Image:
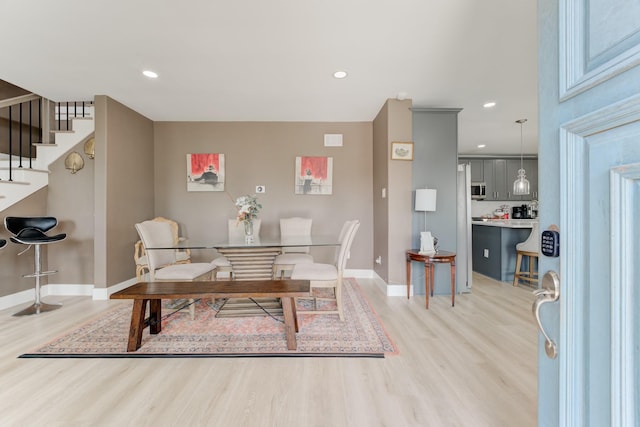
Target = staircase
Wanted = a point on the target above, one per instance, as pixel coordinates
(20, 177)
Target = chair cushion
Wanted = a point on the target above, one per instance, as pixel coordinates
(32, 235)
(293, 258)
(221, 261)
(180, 256)
(184, 271)
(314, 271)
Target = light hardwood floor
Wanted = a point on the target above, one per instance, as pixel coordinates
(471, 365)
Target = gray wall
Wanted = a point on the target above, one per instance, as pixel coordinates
(124, 187)
(393, 211)
(263, 153)
(71, 199)
(435, 136)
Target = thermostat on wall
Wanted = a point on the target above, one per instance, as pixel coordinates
(260, 189)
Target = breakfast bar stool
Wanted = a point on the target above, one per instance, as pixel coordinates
(531, 249)
(32, 231)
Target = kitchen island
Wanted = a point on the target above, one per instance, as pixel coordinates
(493, 247)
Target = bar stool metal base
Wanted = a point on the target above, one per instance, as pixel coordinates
(37, 308)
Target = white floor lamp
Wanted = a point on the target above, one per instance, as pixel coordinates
(426, 202)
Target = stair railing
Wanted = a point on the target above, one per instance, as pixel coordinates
(32, 133)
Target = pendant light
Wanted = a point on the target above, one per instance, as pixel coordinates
(521, 184)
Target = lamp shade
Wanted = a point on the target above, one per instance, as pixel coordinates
(426, 199)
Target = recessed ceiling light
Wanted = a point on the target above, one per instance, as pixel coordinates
(482, 145)
(150, 74)
(489, 104)
(340, 74)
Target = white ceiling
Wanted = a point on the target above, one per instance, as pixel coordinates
(256, 60)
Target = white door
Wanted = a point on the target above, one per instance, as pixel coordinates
(589, 163)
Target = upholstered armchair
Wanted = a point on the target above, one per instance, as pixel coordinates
(183, 256)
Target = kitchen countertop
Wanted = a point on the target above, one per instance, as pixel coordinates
(507, 223)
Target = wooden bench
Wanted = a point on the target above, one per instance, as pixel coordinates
(154, 292)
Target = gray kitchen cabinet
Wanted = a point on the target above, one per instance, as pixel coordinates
(495, 172)
(499, 175)
(493, 250)
(477, 170)
(531, 168)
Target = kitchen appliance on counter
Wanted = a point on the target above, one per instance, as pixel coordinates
(518, 212)
(524, 212)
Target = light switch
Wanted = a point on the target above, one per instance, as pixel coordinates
(384, 193)
(486, 253)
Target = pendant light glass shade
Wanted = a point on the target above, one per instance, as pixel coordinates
(521, 185)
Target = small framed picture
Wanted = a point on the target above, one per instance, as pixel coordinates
(402, 151)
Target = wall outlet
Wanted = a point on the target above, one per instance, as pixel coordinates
(486, 253)
(379, 260)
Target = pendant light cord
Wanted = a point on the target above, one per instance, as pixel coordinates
(521, 121)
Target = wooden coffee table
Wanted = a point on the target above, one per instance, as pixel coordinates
(152, 293)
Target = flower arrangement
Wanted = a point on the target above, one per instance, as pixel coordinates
(248, 208)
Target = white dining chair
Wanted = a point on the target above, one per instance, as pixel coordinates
(235, 232)
(162, 262)
(290, 256)
(329, 275)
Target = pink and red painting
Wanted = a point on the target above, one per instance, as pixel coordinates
(205, 172)
(314, 175)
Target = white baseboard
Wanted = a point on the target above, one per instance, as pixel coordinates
(27, 296)
(22, 297)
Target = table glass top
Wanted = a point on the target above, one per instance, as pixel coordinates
(256, 243)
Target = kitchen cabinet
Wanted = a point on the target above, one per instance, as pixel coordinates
(493, 250)
(477, 170)
(531, 167)
(495, 173)
(499, 175)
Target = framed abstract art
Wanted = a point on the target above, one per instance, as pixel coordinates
(314, 175)
(205, 172)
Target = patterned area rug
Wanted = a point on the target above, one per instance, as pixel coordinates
(360, 335)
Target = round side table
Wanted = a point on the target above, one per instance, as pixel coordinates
(429, 261)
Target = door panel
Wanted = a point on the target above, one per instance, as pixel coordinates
(592, 147)
(589, 153)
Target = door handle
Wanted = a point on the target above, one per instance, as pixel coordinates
(550, 292)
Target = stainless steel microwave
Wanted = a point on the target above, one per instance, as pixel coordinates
(478, 190)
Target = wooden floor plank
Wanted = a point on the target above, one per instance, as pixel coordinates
(470, 365)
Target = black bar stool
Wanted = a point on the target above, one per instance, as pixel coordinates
(31, 231)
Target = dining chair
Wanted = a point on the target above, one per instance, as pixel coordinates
(183, 256)
(329, 275)
(162, 262)
(290, 256)
(235, 232)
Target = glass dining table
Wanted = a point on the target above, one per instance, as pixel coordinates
(253, 260)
